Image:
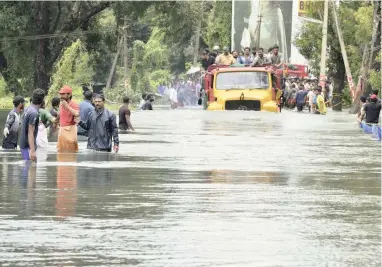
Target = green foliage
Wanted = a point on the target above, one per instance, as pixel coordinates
(356, 24)
(159, 77)
(117, 93)
(375, 76)
(218, 29)
(73, 69)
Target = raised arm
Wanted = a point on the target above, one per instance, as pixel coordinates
(72, 108)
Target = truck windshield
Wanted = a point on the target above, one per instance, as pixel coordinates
(242, 80)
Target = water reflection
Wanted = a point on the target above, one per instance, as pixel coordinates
(66, 197)
(228, 176)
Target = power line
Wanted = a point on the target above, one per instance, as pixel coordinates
(55, 35)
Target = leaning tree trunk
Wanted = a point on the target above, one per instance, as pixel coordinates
(42, 76)
(339, 84)
(13, 84)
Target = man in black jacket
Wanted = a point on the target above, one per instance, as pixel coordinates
(102, 127)
(207, 59)
(12, 124)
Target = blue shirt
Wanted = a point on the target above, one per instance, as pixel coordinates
(85, 108)
(245, 61)
(300, 97)
(30, 117)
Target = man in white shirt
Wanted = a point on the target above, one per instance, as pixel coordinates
(310, 99)
(173, 98)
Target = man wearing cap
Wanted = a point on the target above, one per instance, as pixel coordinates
(67, 135)
(12, 124)
(372, 110)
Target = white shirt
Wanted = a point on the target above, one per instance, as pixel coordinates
(310, 97)
(173, 95)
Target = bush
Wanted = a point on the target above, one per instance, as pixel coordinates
(117, 93)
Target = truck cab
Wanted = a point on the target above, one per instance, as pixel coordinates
(241, 88)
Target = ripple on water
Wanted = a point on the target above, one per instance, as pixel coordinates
(194, 188)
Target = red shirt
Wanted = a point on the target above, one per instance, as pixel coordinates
(66, 118)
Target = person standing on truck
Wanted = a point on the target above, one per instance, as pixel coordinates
(247, 59)
(12, 124)
(261, 59)
(276, 57)
(226, 58)
(207, 59)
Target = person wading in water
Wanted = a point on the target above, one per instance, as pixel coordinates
(124, 116)
(85, 108)
(11, 129)
(29, 126)
(67, 135)
(102, 127)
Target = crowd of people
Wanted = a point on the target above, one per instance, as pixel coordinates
(249, 57)
(182, 92)
(29, 127)
(306, 93)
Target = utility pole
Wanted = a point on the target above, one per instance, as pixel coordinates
(125, 53)
(343, 51)
(258, 27)
(323, 46)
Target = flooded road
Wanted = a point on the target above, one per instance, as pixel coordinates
(196, 188)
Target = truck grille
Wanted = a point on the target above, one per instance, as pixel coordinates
(243, 105)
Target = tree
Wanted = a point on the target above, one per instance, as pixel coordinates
(49, 25)
(73, 68)
(356, 20)
(218, 28)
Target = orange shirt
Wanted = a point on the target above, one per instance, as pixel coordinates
(66, 118)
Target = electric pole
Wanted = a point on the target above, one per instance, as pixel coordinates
(323, 46)
(258, 27)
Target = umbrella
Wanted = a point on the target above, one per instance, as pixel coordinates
(193, 70)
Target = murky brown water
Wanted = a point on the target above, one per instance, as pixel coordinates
(196, 188)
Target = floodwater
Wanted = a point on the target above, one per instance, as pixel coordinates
(197, 188)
